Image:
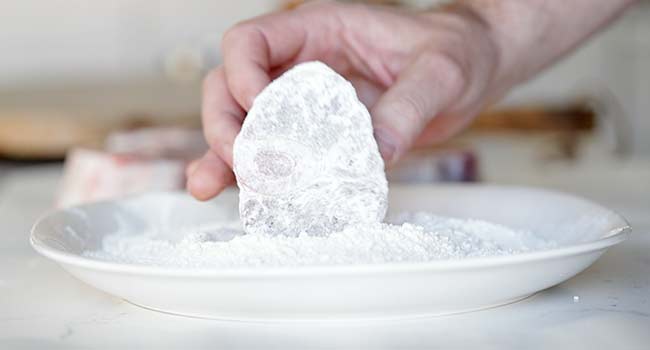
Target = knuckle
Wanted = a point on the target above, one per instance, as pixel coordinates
(219, 137)
(411, 110)
(452, 72)
(212, 78)
(212, 136)
(237, 32)
(239, 90)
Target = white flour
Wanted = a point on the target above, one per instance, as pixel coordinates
(425, 238)
(313, 192)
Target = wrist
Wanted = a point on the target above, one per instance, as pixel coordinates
(530, 35)
(487, 55)
(511, 26)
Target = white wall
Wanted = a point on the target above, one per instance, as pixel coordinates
(43, 41)
(93, 39)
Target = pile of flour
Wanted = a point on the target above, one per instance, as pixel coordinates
(412, 237)
(313, 192)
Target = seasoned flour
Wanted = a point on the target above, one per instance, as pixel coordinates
(313, 192)
(412, 237)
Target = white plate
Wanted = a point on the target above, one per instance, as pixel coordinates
(583, 229)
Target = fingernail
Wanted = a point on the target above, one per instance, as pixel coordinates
(387, 145)
(199, 185)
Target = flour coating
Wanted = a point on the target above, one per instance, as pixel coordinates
(306, 160)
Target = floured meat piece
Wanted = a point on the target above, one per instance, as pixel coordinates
(91, 176)
(306, 160)
(158, 142)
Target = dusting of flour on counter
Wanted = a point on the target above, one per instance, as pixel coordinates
(411, 237)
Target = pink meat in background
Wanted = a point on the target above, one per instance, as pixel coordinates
(137, 161)
(95, 175)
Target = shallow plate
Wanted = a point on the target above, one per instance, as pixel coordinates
(583, 230)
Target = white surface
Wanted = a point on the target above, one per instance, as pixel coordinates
(43, 307)
(379, 291)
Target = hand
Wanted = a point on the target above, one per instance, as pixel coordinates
(407, 68)
(423, 75)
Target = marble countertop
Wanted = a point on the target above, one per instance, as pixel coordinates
(605, 307)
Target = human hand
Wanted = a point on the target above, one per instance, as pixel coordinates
(423, 75)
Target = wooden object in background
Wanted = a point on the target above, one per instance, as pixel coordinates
(564, 123)
(40, 135)
(536, 119)
(49, 135)
(46, 136)
(292, 4)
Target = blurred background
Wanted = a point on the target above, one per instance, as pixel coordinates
(115, 85)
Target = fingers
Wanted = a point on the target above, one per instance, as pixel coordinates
(424, 89)
(210, 176)
(191, 167)
(251, 49)
(368, 92)
(257, 50)
(222, 116)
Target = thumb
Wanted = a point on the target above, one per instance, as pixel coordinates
(425, 88)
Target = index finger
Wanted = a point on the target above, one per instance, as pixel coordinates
(221, 114)
(252, 48)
